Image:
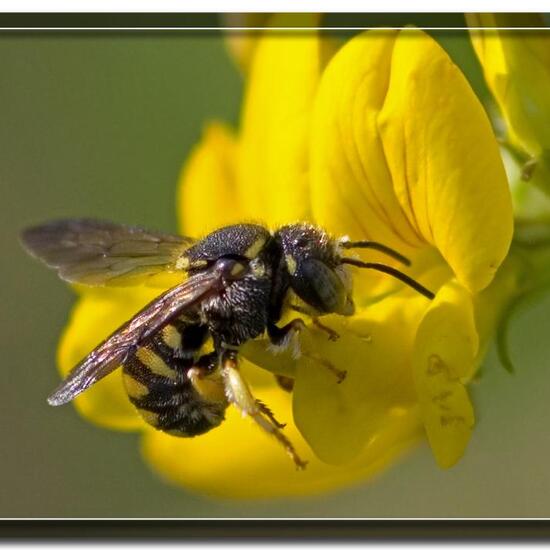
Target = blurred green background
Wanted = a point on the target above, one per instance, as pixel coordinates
(99, 125)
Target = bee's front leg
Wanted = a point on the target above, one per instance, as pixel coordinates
(332, 334)
(239, 394)
(282, 337)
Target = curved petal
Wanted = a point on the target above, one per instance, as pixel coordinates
(98, 313)
(445, 160)
(347, 157)
(444, 356)
(403, 143)
(273, 163)
(208, 196)
(236, 460)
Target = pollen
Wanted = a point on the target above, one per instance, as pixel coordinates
(182, 263)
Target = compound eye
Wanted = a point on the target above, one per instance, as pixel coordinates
(231, 269)
(320, 286)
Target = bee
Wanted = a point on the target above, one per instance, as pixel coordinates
(238, 282)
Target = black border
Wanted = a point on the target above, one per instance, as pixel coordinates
(114, 20)
(184, 21)
(322, 530)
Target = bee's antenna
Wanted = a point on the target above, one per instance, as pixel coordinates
(394, 273)
(377, 246)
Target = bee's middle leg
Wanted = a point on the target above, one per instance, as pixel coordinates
(238, 393)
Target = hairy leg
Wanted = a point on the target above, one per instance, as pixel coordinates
(239, 394)
(281, 337)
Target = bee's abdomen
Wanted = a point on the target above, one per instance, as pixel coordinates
(157, 384)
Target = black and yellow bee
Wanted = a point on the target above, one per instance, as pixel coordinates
(240, 279)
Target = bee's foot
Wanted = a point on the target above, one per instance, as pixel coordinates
(269, 413)
(332, 334)
(341, 375)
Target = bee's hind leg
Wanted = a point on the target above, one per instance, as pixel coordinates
(239, 394)
(206, 378)
(269, 413)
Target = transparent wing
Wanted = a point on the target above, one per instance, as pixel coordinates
(113, 351)
(95, 252)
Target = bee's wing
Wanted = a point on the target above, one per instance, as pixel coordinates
(113, 351)
(97, 253)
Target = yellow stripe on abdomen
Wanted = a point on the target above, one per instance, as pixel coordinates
(134, 389)
(150, 417)
(171, 337)
(155, 363)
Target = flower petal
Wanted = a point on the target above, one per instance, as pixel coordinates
(98, 313)
(444, 356)
(445, 161)
(208, 196)
(401, 141)
(339, 419)
(273, 163)
(237, 460)
(352, 190)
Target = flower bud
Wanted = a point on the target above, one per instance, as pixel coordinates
(516, 66)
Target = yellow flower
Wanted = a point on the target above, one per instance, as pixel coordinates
(516, 65)
(384, 141)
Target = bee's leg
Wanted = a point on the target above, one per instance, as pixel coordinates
(239, 394)
(340, 374)
(332, 334)
(282, 337)
(206, 378)
(269, 413)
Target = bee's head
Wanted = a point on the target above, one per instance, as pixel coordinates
(315, 269)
